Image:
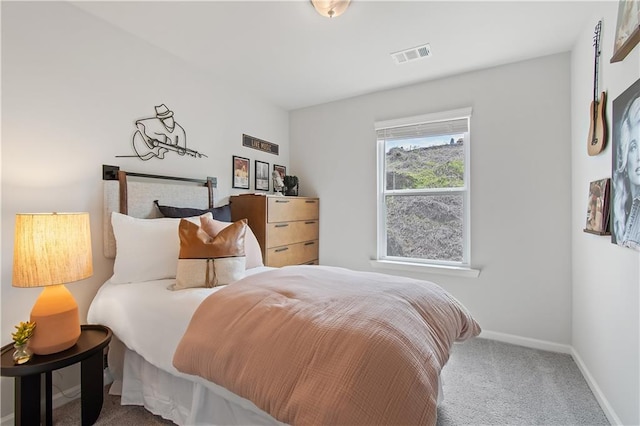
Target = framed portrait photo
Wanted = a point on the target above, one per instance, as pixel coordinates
(262, 176)
(625, 180)
(627, 29)
(240, 172)
(280, 169)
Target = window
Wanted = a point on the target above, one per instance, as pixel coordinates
(423, 189)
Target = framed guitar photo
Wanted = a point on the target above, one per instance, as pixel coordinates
(627, 29)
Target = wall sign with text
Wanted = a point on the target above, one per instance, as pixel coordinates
(259, 144)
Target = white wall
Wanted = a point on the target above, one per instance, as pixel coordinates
(606, 333)
(520, 187)
(72, 87)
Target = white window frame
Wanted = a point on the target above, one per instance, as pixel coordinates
(414, 264)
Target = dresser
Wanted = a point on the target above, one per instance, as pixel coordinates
(287, 228)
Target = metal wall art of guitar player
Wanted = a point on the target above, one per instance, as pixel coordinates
(156, 136)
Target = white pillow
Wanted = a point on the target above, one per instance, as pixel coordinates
(146, 249)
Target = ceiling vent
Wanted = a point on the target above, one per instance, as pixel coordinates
(412, 54)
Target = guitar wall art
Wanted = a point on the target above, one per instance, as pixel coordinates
(158, 135)
(597, 137)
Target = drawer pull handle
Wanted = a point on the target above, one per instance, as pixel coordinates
(282, 249)
(310, 243)
(310, 223)
(310, 201)
(282, 225)
(282, 201)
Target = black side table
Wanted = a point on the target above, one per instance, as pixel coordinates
(28, 377)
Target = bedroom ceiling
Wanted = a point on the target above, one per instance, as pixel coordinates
(290, 55)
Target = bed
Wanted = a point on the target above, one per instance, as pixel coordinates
(293, 345)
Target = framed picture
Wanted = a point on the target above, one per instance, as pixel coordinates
(598, 207)
(280, 169)
(627, 29)
(262, 176)
(240, 172)
(625, 165)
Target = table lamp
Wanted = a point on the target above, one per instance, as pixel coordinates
(51, 249)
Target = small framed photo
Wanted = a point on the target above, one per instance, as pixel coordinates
(280, 169)
(598, 207)
(262, 176)
(240, 172)
(627, 29)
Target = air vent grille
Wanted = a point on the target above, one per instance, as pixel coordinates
(412, 54)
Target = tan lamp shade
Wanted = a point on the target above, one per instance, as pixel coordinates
(330, 8)
(51, 249)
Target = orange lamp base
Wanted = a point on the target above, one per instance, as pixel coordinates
(57, 321)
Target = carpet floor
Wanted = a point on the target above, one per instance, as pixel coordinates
(485, 383)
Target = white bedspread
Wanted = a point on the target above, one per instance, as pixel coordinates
(148, 318)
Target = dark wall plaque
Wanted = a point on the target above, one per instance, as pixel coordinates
(261, 145)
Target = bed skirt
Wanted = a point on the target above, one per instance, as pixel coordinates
(183, 401)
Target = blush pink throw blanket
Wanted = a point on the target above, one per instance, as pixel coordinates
(317, 345)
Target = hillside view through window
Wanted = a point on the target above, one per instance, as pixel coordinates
(424, 205)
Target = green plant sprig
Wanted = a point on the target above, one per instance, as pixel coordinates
(23, 333)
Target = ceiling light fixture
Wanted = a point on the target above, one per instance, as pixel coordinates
(330, 8)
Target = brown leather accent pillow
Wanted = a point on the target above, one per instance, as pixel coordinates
(206, 261)
(252, 249)
(197, 244)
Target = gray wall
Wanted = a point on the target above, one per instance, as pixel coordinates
(606, 279)
(520, 187)
(543, 282)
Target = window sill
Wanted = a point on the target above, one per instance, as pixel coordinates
(458, 271)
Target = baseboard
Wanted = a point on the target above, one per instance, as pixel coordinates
(565, 349)
(593, 385)
(58, 399)
(527, 342)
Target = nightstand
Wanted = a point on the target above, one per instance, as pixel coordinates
(28, 377)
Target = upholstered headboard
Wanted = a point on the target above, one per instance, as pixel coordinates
(133, 194)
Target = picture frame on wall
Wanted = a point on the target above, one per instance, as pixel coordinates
(598, 207)
(625, 165)
(280, 169)
(262, 176)
(627, 29)
(241, 171)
